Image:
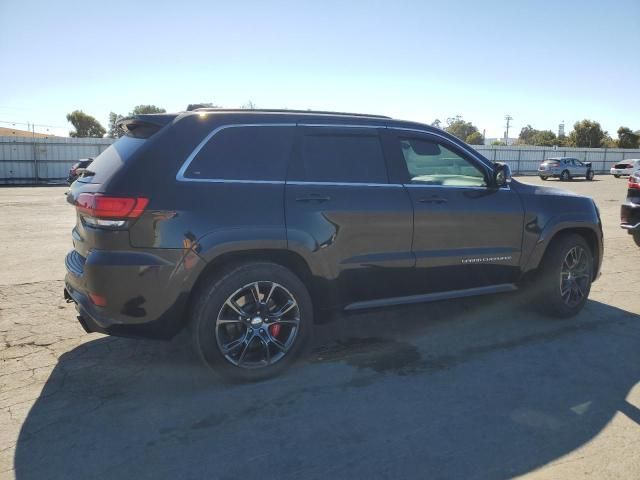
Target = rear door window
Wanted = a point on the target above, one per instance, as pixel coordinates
(244, 153)
(339, 156)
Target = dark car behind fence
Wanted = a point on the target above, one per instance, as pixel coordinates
(26, 160)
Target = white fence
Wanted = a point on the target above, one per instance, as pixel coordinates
(26, 160)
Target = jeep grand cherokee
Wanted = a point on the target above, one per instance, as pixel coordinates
(249, 226)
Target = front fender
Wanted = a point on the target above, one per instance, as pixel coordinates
(561, 223)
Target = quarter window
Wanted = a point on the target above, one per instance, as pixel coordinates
(244, 153)
(429, 162)
(342, 158)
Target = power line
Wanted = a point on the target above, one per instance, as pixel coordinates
(29, 124)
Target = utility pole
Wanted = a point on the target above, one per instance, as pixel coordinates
(508, 118)
(35, 153)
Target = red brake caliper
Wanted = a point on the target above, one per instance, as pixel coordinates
(275, 329)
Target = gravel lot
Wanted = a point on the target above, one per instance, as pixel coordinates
(480, 388)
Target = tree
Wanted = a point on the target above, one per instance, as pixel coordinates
(248, 106)
(85, 125)
(458, 127)
(144, 109)
(627, 138)
(543, 138)
(436, 123)
(475, 139)
(193, 106)
(526, 133)
(498, 143)
(587, 133)
(114, 131)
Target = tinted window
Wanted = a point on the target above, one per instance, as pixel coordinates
(112, 159)
(244, 153)
(335, 157)
(434, 164)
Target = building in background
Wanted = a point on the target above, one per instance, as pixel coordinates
(506, 141)
(14, 132)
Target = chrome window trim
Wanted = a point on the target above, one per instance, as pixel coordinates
(230, 180)
(180, 176)
(470, 187)
(344, 184)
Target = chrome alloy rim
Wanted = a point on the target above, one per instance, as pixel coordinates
(574, 276)
(257, 325)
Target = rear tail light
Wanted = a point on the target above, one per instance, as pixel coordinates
(634, 182)
(107, 211)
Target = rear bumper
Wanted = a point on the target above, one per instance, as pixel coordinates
(139, 294)
(630, 217)
(619, 171)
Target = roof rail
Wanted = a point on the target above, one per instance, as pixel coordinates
(268, 110)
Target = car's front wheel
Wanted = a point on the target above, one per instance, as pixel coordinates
(542, 177)
(617, 176)
(565, 276)
(251, 322)
(636, 238)
(590, 175)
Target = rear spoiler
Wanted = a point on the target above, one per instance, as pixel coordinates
(143, 126)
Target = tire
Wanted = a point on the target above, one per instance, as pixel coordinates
(551, 280)
(617, 176)
(590, 175)
(543, 178)
(254, 334)
(636, 238)
(565, 176)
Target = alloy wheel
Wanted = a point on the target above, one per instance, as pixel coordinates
(257, 325)
(575, 276)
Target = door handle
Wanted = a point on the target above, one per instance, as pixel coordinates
(313, 198)
(433, 199)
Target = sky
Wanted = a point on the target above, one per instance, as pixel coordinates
(542, 62)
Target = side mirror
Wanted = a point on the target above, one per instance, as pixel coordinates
(501, 174)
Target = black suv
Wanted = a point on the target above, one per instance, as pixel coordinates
(630, 210)
(249, 226)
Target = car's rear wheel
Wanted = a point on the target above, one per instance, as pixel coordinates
(636, 238)
(542, 177)
(565, 176)
(590, 175)
(565, 276)
(252, 322)
(617, 176)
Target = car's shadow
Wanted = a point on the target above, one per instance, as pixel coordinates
(473, 389)
(573, 180)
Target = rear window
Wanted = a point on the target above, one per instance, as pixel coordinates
(244, 153)
(341, 158)
(113, 158)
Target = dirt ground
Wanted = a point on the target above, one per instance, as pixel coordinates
(481, 388)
